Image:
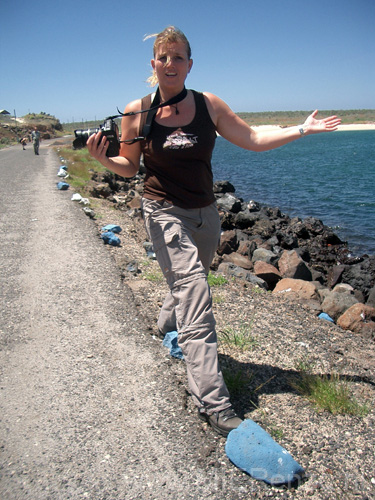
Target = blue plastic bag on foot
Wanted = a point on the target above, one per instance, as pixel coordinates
(170, 341)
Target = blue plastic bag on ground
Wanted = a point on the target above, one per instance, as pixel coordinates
(254, 451)
(62, 185)
(111, 239)
(326, 317)
(112, 227)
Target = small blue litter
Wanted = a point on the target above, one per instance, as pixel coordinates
(326, 317)
(147, 245)
(170, 341)
(64, 167)
(255, 452)
(62, 185)
(112, 227)
(111, 239)
(132, 267)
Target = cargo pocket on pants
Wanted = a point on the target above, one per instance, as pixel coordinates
(167, 249)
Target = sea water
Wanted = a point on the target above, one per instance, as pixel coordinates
(327, 176)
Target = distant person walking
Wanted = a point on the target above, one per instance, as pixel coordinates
(35, 136)
(23, 141)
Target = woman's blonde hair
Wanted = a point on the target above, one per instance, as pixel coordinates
(168, 35)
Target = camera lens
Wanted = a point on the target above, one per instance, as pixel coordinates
(82, 136)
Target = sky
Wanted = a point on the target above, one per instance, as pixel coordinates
(80, 60)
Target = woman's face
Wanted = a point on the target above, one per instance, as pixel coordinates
(172, 65)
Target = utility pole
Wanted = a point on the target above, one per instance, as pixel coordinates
(15, 122)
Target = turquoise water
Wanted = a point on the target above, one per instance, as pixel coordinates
(328, 176)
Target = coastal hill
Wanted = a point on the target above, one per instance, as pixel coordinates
(289, 118)
(12, 129)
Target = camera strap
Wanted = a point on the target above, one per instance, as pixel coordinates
(156, 104)
(151, 112)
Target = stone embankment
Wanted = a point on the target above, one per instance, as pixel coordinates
(302, 259)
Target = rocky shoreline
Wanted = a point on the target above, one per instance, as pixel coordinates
(302, 259)
(336, 450)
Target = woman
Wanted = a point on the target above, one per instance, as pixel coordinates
(179, 207)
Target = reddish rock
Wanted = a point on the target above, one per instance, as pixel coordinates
(359, 318)
(228, 243)
(268, 273)
(336, 303)
(299, 289)
(292, 266)
(246, 248)
(238, 260)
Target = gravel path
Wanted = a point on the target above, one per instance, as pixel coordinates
(88, 409)
(91, 404)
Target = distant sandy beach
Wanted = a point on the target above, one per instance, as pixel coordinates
(359, 126)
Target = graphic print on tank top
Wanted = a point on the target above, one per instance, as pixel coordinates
(180, 140)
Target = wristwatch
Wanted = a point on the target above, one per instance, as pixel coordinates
(301, 131)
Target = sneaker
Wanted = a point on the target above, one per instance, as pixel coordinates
(222, 421)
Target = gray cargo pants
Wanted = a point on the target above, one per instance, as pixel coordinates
(185, 241)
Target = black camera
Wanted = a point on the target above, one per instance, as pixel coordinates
(109, 129)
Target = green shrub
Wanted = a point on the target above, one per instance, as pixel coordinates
(238, 336)
(154, 276)
(80, 167)
(216, 280)
(327, 392)
(236, 381)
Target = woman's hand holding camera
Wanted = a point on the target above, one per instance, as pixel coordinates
(97, 144)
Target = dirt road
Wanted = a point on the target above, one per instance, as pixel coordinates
(88, 406)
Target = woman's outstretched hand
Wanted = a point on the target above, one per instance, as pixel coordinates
(314, 126)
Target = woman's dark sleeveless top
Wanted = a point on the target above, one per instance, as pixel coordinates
(178, 160)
